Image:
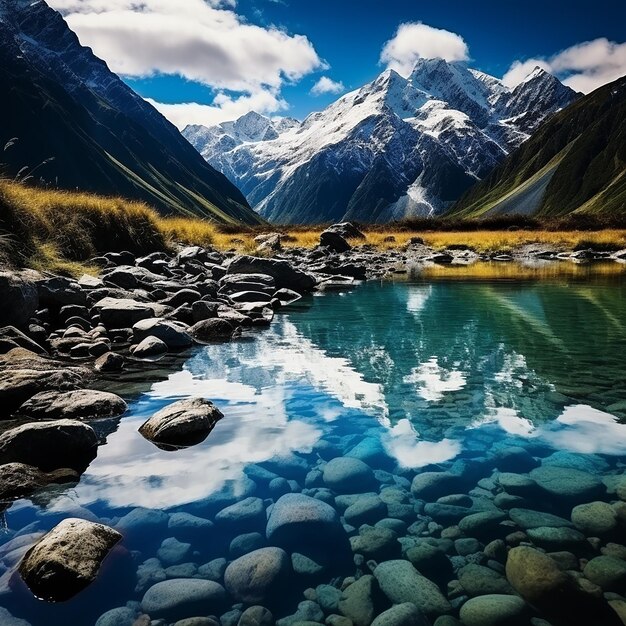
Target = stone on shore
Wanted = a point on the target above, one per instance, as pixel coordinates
(50, 445)
(149, 348)
(67, 559)
(173, 334)
(211, 330)
(80, 404)
(18, 480)
(283, 273)
(183, 423)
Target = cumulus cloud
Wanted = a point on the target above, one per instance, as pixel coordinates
(224, 108)
(327, 85)
(414, 40)
(583, 67)
(206, 42)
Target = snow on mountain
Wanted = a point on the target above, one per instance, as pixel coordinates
(394, 148)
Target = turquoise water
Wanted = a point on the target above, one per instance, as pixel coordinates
(409, 377)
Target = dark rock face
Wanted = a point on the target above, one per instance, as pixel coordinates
(19, 299)
(67, 559)
(81, 404)
(334, 241)
(50, 445)
(212, 329)
(181, 424)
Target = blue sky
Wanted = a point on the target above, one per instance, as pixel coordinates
(208, 60)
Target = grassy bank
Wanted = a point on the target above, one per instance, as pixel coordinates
(60, 231)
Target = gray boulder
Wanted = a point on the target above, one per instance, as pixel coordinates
(495, 610)
(173, 334)
(283, 273)
(183, 423)
(149, 348)
(80, 404)
(67, 559)
(50, 445)
(348, 475)
(210, 330)
(125, 312)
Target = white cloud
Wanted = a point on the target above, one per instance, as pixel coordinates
(414, 40)
(327, 85)
(206, 42)
(520, 69)
(224, 108)
(583, 67)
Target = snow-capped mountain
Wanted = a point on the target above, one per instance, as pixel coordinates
(394, 148)
(62, 101)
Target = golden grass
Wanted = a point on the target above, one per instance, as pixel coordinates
(60, 231)
(493, 270)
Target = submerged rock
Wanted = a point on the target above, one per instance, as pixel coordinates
(348, 475)
(258, 576)
(67, 559)
(297, 520)
(495, 610)
(183, 423)
(180, 598)
(568, 485)
(50, 445)
(80, 404)
(405, 614)
(401, 582)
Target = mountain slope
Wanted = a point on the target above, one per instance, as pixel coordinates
(61, 101)
(576, 162)
(395, 148)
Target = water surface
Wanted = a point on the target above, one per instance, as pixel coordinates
(433, 372)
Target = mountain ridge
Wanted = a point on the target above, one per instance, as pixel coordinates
(396, 147)
(62, 101)
(575, 163)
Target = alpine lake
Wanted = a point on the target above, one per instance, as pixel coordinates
(385, 446)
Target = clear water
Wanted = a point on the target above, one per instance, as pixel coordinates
(439, 373)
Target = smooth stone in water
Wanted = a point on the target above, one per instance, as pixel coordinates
(607, 572)
(18, 480)
(401, 582)
(183, 423)
(359, 601)
(528, 518)
(257, 576)
(179, 598)
(367, 510)
(432, 485)
(298, 520)
(256, 616)
(594, 518)
(405, 614)
(556, 538)
(478, 580)
(567, 484)
(67, 559)
(495, 610)
(249, 513)
(348, 475)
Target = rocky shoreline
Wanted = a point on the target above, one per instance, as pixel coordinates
(62, 338)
